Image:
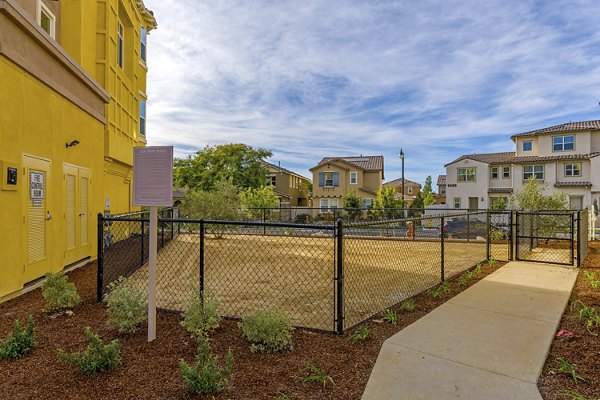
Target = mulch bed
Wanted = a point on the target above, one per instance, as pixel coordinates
(582, 348)
(150, 370)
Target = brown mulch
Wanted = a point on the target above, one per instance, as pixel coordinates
(582, 349)
(150, 370)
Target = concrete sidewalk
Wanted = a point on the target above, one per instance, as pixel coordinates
(489, 342)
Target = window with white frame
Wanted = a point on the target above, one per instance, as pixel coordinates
(573, 169)
(353, 177)
(457, 202)
(120, 43)
(328, 178)
(563, 143)
(466, 174)
(494, 172)
(535, 171)
(272, 180)
(143, 36)
(46, 19)
(328, 204)
(442, 189)
(142, 117)
(506, 172)
(527, 145)
(367, 203)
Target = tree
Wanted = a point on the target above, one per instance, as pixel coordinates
(256, 200)
(352, 204)
(221, 203)
(533, 198)
(416, 206)
(239, 163)
(428, 196)
(499, 203)
(386, 199)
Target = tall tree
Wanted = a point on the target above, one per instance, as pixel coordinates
(258, 201)
(386, 204)
(238, 163)
(533, 197)
(353, 205)
(428, 196)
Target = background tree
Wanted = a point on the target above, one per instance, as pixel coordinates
(239, 163)
(428, 196)
(533, 198)
(416, 206)
(499, 203)
(353, 205)
(257, 201)
(386, 199)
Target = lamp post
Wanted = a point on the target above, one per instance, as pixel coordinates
(402, 158)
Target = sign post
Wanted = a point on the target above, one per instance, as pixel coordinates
(153, 187)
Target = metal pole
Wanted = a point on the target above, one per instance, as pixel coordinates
(264, 218)
(100, 250)
(573, 238)
(468, 227)
(579, 238)
(402, 157)
(516, 244)
(489, 243)
(202, 260)
(442, 248)
(143, 256)
(340, 277)
(511, 241)
(152, 275)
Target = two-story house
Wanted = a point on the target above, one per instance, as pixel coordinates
(291, 187)
(411, 189)
(440, 197)
(72, 108)
(333, 177)
(564, 157)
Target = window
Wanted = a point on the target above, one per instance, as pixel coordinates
(142, 117)
(353, 177)
(457, 202)
(329, 179)
(367, 203)
(328, 205)
(576, 202)
(46, 19)
(410, 190)
(536, 171)
(466, 174)
(271, 180)
(120, 41)
(527, 145)
(505, 172)
(563, 143)
(442, 189)
(573, 169)
(143, 44)
(494, 172)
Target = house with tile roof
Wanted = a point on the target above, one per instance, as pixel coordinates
(411, 189)
(291, 188)
(566, 158)
(440, 197)
(333, 177)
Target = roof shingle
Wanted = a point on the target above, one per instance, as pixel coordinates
(510, 158)
(367, 163)
(568, 127)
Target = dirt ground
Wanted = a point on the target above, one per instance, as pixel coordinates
(150, 371)
(293, 274)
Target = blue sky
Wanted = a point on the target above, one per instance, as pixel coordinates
(326, 78)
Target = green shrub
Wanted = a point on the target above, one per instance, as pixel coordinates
(439, 290)
(317, 374)
(408, 305)
(566, 368)
(96, 357)
(390, 317)
(359, 335)
(205, 376)
(267, 332)
(588, 314)
(200, 314)
(127, 305)
(302, 219)
(20, 341)
(464, 278)
(497, 234)
(59, 293)
(591, 278)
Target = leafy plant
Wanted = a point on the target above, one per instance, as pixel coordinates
(267, 332)
(359, 335)
(591, 278)
(200, 314)
(96, 357)
(316, 374)
(571, 394)
(205, 376)
(477, 269)
(464, 278)
(408, 305)
(127, 305)
(59, 293)
(440, 289)
(258, 201)
(492, 262)
(588, 314)
(566, 368)
(390, 316)
(19, 341)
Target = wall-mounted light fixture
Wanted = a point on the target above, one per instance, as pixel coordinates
(73, 143)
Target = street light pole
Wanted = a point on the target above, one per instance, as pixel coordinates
(402, 158)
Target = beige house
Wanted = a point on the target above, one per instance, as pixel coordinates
(440, 198)
(336, 176)
(566, 158)
(411, 189)
(291, 188)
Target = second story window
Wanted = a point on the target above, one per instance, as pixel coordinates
(353, 177)
(272, 180)
(329, 179)
(120, 44)
(466, 174)
(143, 44)
(527, 145)
(142, 117)
(505, 172)
(563, 143)
(410, 190)
(573, 169)
(494, 172)
(46, 19)
(535, 171)
(442, 189)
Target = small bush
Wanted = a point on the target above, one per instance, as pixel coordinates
(59, 293)
(205, 376)
(477, 269)
(390, 317)
(267, 332)
(440, 290)
(302, 219)
(200, 314)
(464, 278)
(408, 305)
(566, 368)
(96, 357)
(588, 314)
(316, 374)
(591, 278)
(20, 341)
(127, 305)
(492, 262)
(359, 335)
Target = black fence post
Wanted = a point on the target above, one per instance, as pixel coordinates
(579, 257)
(202, 260)
(468, 226)
(442, 248)
(573, 214)
(516, 236)
(172, 223)
(488, 251)
(143, 256)
(340, 277)
(162, 232)
(264, 219)
(511, 241)
(100, 282)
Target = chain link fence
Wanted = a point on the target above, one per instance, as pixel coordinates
(582, 235)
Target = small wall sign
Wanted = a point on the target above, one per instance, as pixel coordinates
(11, 176)
(36, 185)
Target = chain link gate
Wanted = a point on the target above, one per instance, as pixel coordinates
(545, 236)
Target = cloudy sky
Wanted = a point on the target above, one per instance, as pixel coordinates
(308, 79)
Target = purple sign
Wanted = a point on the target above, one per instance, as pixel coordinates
(153, 176)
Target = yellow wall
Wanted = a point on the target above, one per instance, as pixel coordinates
(36, 121)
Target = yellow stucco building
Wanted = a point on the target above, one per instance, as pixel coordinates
(72, 107)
